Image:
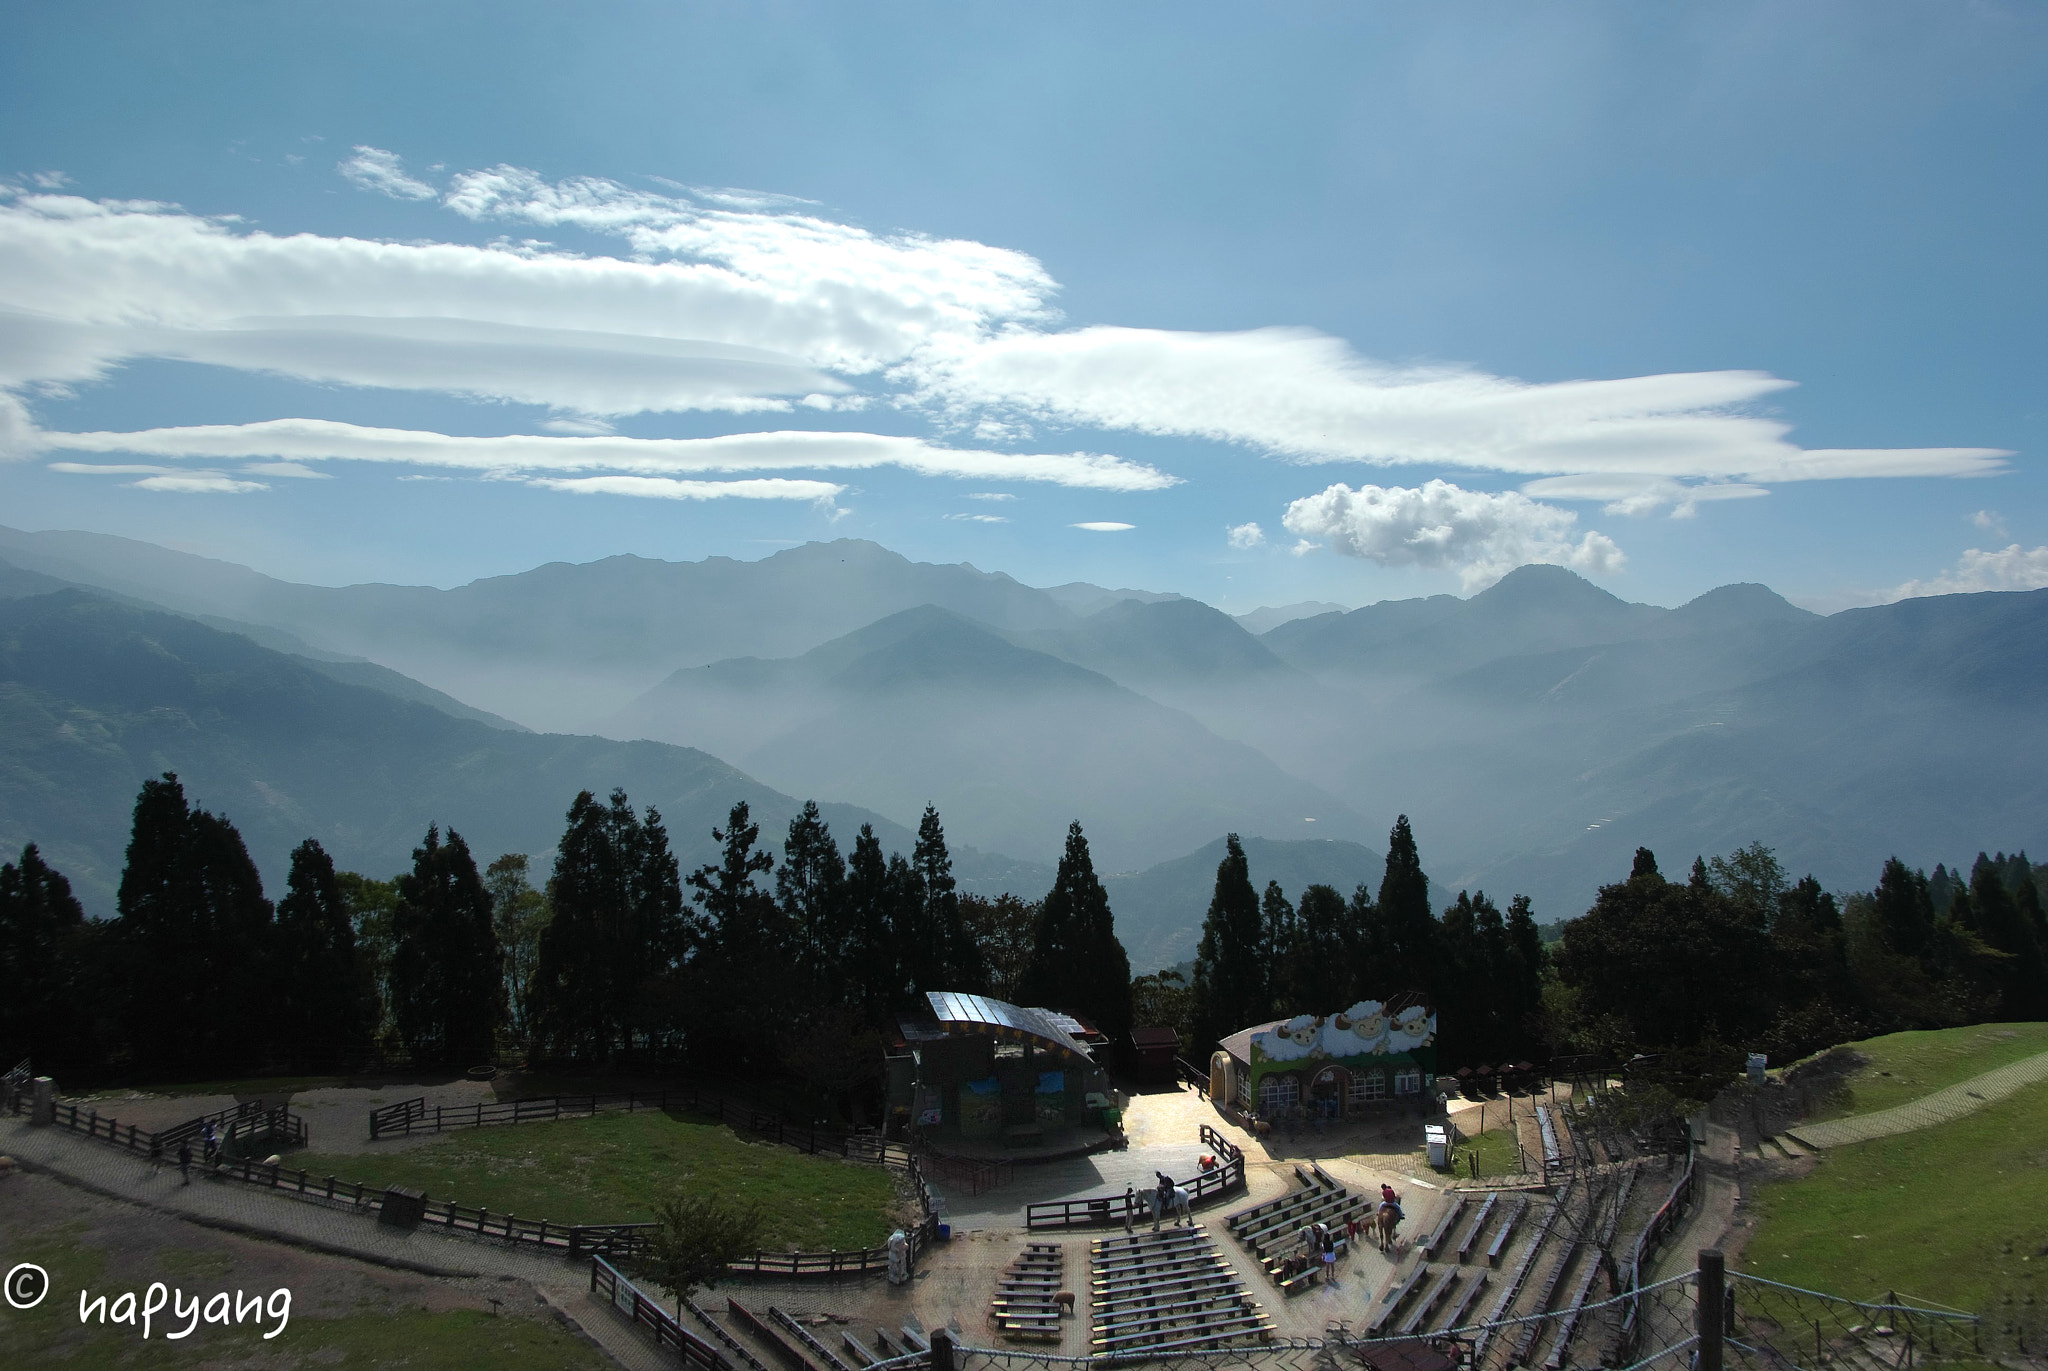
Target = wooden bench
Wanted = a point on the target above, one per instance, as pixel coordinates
(1478, 1227)
(1396, 1296)
(1426, 1306)
(1444, 1228)
(1500, 1242)
(1456, 1318)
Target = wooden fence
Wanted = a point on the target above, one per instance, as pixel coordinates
(1226, 1178)
(248, 1122)
(1661, 1223)
(417, 1116)
(626, 1297)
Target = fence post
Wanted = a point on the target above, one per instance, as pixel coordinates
(1712, 1312)
(942, 1350)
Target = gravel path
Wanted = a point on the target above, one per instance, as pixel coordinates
(1963, 1098)
(122, 1175)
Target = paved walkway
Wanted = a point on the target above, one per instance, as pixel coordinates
(282, 1216)
(1966, 1097)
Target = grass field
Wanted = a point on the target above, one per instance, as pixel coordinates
(1498, 1155)
(615, 1167)
(1953, 1214)
(1905, 1066)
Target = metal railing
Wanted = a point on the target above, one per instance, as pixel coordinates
(626, 1297)
(1226, 1178)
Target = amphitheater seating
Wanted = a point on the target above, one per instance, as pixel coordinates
(1478, 1229)
(1271, 1231)
(1027, 1295)
(1168, 1289)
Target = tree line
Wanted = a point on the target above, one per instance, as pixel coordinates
(1262, 957)
(793, 967)
(1738, 957)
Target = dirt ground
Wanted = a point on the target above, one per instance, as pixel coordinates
(100, 1246)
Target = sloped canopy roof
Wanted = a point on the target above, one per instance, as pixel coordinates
(978, 1014)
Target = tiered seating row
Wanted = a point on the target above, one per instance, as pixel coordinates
(1272, 1231)
(1168, 1289)
(1027, 1303)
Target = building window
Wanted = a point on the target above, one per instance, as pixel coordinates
(1278, 1093)
(1367, 1086)
(1408, 1083)
(1244, 1089)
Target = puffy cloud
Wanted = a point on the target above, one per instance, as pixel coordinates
(313, 440)
(1483, 536)
(1246, 535)
(1989, 522)
(1106, 526)
(383, 172)
(2009, 568)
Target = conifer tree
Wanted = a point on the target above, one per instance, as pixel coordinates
(329, 1007)
(45, 966)
(1233, 971)
(521, 915)
(961, 965)
(1322, 978)
(877, 985)
(194, 936)
(1903, 910)
(810, 886)
(1078, 964)
(743, 995)
(616, 937)
(1280, 939)
(447, 972)
(2000, 923)
(1404, 956)
(1521, 984)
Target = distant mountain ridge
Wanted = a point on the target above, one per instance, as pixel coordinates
(1535, 733)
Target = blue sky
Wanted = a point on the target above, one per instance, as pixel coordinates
(1676, 295)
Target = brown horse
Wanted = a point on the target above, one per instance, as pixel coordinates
(1386, 1220)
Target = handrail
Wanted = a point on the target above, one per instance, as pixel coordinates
(1226, 1178)
(629, 1300)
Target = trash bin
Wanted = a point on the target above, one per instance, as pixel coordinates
(1438, 1139)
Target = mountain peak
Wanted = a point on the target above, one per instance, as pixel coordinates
(1745, 602)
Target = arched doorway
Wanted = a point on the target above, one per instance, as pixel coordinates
(1326, 1092)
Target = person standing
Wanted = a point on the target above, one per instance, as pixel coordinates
(156, 1155)
(185, 1161)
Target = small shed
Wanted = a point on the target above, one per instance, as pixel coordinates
(1153, 1051)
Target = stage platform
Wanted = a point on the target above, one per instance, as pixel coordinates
(1051, 1145)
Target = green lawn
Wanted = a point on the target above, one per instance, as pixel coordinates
(615, 1167)
(1905, 1066)
(1953, 1214)
(1498, 1155)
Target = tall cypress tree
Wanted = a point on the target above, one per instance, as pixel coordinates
(741, 981)
(447, 973)
(1521, 983)
(877, 985)
(1279, 947)
(810, 885)
(616, 936)
(1903, 910)
(2001, 924)
(330, 1007)
(194, 936)
(1233, 968)
(1404, 958)
(1323, 980)
(45, 947)
(1078, 964)
(960, 961)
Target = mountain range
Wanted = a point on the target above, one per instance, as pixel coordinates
(1535, 733)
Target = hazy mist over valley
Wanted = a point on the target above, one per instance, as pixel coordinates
(1536, 732)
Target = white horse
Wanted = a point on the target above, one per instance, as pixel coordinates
(1179, 1202)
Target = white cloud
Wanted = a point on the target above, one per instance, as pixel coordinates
(1483, 536)
(50, 180)
(1989, 522)
(664, 488)
(313, 440)
(1306, 396)
(1637, 495)
(198, 483)
(383, 172)
(990, 495)
(578, 426)
(291, 470)
(738, 301)
(1246, 535)
(2010, 568)
(979, 518)
(1105, 526)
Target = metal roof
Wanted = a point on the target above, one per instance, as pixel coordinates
(960, 1013)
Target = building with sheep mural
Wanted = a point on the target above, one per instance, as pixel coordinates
(1369, 1059)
